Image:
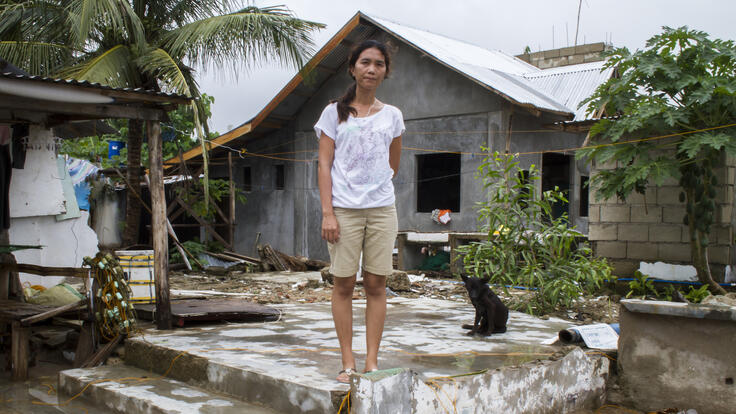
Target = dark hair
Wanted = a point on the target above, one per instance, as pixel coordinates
(343, 103)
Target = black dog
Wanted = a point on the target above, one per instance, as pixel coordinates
(490, 313)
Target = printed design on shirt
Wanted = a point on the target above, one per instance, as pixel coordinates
(365, 152)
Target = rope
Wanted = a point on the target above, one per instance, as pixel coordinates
(112, 308)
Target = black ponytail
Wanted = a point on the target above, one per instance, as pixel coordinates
(343, 103)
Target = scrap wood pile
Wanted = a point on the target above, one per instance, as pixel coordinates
(269, 259)
(272, 259)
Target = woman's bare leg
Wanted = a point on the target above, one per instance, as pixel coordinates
(342, 315)
(375, 316)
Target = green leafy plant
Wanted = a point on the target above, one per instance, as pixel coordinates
(641, 286)
(527, 246)
(681, 87)
(195, 248)
(194, 196)
(697, 295)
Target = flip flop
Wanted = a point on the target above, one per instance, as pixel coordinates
(344, 375)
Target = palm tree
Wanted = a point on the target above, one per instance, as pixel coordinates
(151, 44)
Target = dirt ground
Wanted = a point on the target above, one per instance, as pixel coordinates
(586, 310)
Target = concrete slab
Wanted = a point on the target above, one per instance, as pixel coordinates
(299, 356)
(123, 389)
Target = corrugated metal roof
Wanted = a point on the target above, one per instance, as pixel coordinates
(91, 85)
(494, 69)
(570, 85)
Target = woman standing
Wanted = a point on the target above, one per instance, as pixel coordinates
(359, 151)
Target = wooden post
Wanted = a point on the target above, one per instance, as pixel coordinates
(19, 349)
(158, 226)
(232, 201)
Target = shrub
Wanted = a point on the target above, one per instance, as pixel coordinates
(527, 246)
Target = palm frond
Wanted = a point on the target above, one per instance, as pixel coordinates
(117, 15)
(33, 20)
(114, 68)
(36, 58)
(244, 38)
(157, 64)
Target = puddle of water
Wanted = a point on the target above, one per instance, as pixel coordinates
(39, 394)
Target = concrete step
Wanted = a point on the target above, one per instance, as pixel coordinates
(124, 389)
(279, 384)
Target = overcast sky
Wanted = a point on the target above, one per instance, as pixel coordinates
(508, 25)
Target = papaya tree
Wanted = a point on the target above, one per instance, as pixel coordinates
(681, 91)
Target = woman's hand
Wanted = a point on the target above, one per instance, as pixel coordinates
(330, 228)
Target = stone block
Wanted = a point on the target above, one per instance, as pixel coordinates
(664, 357)
(608, 165)
(568, 51)
(649, 196)
(685, 234)
(611, 249)
(594, 213)
(669, 195)
(641, 251)
(633, 232)
(665, 233)
(673, 215)
(724, 194)
(724, 213)
(719, 254)
(592, 47)
(730, 178)
(670, 182)
(551, 53)
(602, 232)
(675, 252)
(382, 391)
(614, 213)
(624, 268)
(724, 234)
(575, 60)
(650, 214)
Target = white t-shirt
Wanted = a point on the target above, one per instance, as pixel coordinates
(361, 174)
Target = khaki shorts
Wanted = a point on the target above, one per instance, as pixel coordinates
(370, 230)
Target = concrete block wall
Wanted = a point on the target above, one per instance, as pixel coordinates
(572, 55)
(650, 227)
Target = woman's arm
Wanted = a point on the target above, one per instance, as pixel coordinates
(330, 227)
(394, 154)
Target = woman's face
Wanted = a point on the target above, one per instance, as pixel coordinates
(370, 68)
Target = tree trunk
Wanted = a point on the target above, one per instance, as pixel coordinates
(132, 202)
(699, 253)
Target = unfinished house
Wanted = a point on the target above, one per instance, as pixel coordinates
(456, 98)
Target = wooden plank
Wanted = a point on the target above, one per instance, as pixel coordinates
(213, 310)
(51, 313)
(85, 344)
(231, 216)
(104, 352)
(241, 256)
(159, 230)
(19, 351)
(89, 110)
(45, 270)
(13, 310)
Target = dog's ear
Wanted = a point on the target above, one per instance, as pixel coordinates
(464, 278)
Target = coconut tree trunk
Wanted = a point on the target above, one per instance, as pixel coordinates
(132, 200)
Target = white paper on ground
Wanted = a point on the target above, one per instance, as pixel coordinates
(598, 336)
